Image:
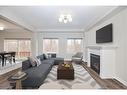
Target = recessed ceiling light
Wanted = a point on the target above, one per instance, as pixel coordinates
(1, 28)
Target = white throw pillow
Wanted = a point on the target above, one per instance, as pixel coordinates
(33, 61)
(38, 61)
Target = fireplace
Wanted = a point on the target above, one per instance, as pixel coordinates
(95, 62)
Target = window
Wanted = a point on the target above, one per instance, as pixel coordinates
(50, 45)
(74, 45)
(22, 47)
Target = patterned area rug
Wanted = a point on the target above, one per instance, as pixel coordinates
(82, 77)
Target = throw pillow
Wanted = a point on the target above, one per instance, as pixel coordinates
(45, 56)
(41, 57)
(33, 61)
(38, 61)
(49, 56)
(53, 55)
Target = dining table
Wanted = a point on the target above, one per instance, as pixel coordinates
(11, 53)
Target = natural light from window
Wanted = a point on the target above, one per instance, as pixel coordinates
(74, 45)
(50, 45)
(20, 46)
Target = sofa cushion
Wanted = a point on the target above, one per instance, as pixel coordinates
(48, 61)
(58, 60)
(36, 75)
(37, 71)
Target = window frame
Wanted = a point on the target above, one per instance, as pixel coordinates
(51, 39)
(18, 41)
(73, 52)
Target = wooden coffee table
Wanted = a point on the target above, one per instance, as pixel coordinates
(18, 79)
(65, 72)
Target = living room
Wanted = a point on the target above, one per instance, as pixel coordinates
(43, 34)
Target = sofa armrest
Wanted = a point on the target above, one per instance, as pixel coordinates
(26, 64)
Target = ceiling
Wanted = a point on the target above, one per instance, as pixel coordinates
(45, 18)
(8, 25)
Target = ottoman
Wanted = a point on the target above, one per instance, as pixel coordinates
(58, 60)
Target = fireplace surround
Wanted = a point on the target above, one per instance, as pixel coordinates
(107, 60)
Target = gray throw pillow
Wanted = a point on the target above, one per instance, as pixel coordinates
(49, 56)
(41, 57)
(45, 56)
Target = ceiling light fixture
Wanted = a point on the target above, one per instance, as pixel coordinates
(1, 28)
(65, 18)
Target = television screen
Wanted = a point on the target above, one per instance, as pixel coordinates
(104, 35)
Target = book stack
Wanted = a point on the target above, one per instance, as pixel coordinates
(18, 75)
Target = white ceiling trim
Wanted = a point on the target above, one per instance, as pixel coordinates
(60, 30)
(12, 18)
(92, 23)
(5, 13)
(108, 15)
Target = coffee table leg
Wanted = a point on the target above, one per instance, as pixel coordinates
(2, 60)
(18, 84)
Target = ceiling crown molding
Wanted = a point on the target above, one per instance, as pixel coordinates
(107, 16)
(8, 16)
(61, 30)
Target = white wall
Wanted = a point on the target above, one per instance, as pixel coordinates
(62, 42)
(17, 34)
(37, 40)
(119, 39)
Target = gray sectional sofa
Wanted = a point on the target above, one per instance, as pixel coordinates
(36, 75)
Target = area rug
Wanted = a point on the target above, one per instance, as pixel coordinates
(82, 78)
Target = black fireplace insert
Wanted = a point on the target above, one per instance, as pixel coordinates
(95, 62)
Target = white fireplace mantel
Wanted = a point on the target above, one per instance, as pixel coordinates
(102, 47)
(107, 59)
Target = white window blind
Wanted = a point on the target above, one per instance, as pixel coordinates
(74, 45)
(22, 47)
(50, 45)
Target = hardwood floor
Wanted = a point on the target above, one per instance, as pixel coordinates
(104, 83)
(4, 83)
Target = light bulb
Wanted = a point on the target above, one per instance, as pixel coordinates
(60, 19)
(1, 28)
(65, 21)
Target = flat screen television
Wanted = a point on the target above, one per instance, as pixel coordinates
(104, 35)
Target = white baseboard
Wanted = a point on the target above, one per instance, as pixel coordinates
(121, 80)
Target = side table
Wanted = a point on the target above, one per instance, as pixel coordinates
(18, 80)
